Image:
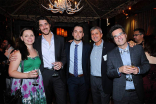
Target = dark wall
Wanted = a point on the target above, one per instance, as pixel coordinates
(19, 24)
(2, 27)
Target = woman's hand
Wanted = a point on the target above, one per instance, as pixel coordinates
(32, 74)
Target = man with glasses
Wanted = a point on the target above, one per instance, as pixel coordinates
(139, 36)
(126, 65)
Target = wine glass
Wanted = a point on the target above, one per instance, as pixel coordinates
(55, 74)
(129, 78)
(35, 83)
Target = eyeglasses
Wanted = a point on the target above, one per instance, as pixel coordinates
(136, 35)
(120, 34)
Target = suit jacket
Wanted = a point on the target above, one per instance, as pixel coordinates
(85, 61)
(107, 83)
(139, 59)
(59, 53)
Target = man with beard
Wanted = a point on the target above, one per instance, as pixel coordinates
(78, 72)
(51, 50)
(126, 65)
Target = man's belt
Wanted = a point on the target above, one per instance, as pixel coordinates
(77, 76)
(130, 90)
(48, 68)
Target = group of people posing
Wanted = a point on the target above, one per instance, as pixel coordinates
(107, 69)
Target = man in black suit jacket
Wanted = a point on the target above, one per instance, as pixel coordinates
(126, 65)
(78, 75)
(51, 50)
(101, 85)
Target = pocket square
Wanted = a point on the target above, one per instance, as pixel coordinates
(105, 57)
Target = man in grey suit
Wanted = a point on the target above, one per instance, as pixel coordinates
(126, 65)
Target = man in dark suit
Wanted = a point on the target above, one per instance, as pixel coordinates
(101, 85)
(51, 50)
(78, 73)
(126, 65)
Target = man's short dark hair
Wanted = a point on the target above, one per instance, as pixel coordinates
(41, 18)
(114, 28)
(141, 31)
(78, 25)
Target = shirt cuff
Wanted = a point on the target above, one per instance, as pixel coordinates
(139, 70)
(118, 72)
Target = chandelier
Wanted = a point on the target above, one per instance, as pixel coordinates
(63, 5)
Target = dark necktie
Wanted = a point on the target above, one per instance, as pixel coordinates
(75, 61)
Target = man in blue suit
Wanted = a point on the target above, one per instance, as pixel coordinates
(126, 65)
(78, 73)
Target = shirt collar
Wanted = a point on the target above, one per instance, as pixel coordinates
(101, 45)
(51, 38)
(77, 44)
(126, 49)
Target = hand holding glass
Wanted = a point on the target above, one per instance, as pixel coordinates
(35, 83)
(129, 75)
(55, 73)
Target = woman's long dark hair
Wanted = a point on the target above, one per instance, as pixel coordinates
(150, 45)
(21, 45)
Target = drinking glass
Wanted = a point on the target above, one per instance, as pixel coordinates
(129, 75)
(35, 83)
(55, 74)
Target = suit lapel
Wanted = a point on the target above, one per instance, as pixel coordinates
(56, 45)
(131, 54)
(68, 52)
(104, 50)
(118, 57)
(39, 47)
(84, 49)
(103, 63)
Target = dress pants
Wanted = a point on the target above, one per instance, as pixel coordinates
(129, 98)
(78, 91)
(54, 87)
(99, 97)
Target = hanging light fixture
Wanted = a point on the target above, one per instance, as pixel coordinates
(63, 5)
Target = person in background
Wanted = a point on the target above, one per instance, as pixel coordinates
(101, 85)
(7, 46)
(1, 49)
(149, 78)
(139, 36)
(126, 65)
(78, 72)
(29, 55)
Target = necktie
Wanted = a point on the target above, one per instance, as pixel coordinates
(75, 61)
